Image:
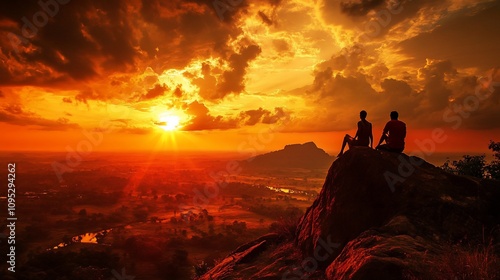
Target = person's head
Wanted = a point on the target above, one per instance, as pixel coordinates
(394, 115)
(363, 114)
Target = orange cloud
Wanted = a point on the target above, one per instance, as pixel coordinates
(316, 63)
(16, 115)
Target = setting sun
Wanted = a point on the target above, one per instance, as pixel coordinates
(169, 122)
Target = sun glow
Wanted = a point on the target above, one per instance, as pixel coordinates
(169, 122)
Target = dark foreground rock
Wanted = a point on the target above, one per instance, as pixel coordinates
(379, 216)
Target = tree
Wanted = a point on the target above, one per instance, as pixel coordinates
(495, 148)
(66, 239)
(180, 257)
(476, 165)
(447, 167)
(201, 268)
(211, 229)
(493, 168)
(83, 212)
(471, 166)
(178, 267)
(140, 214)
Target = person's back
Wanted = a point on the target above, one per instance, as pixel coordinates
(363, 137)
(396, 130)
(364, 132)
(394, 135)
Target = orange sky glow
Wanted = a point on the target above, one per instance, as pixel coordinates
(246, 76)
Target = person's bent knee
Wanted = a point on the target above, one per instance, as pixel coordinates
(382, 147)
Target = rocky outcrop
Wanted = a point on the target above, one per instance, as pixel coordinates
(381, 216)
(244, 254)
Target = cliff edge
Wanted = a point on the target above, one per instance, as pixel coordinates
(379, 216)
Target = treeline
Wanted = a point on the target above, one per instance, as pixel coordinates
(273, 211)
(82, 265)
(476, 166)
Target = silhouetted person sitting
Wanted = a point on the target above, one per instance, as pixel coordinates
(394, 135)
(363, 137)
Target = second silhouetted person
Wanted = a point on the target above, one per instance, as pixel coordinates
(394, 135)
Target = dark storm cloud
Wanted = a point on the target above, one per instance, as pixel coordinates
(283, 47)
(71, 38)
(178, 92)
(336, 97)
(253, 117)
(14, 109)
(183, 30)
(157, 91)
(5, 75)
(203, 120)
(343, 86)
(476, 105)
(199, 32)
(348, 90)
(321, 78)
(374, 19)
(207, 84)
(436, 88)
(84, 39)
(97, 93)
(359, 7)
(126, 126)
(280, 114)
(400, 95)
(265, 18)
(396, 88)
(233, 79)
(349, 59)
(423, 100)
(88, 94)
(467, 40)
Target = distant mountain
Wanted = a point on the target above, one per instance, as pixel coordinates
(307, 156)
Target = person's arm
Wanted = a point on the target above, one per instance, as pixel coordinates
(384, 135)
(371, 137)
(381, 139)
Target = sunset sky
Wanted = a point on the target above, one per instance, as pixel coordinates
(236, 75)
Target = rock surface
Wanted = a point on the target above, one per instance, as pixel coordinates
(379, 216)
